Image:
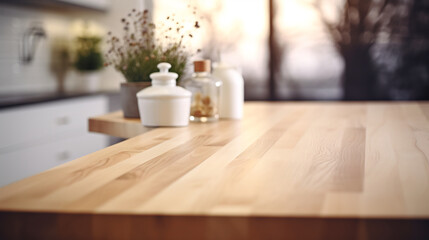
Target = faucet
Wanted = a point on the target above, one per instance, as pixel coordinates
(29, 42)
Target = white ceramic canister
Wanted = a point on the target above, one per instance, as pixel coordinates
(164, 104)
(231, 91)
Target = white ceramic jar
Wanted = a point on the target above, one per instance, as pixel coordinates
(231, 91)
(164, 104)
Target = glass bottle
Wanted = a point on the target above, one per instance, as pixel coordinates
(205, 93)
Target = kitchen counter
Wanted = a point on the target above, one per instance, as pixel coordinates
(306, 170)
(20, 99)
(114, 124)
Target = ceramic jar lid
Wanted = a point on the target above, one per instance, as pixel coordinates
(164, 85)
(163, 74)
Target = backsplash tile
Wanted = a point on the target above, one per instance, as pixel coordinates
(35, 76)
(38, 76)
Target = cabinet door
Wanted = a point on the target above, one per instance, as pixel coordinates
(25, 162)
(40, 123)
(37, 137)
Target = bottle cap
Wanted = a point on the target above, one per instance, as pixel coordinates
(202, 66)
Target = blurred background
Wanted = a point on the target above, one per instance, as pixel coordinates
(285, 49)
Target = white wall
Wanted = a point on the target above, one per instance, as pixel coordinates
(58, 23)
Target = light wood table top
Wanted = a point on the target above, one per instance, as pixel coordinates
(114, 124)
(307, 170)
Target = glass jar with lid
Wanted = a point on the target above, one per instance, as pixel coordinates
(205, 93)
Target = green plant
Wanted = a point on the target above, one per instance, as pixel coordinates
(88, 54)
(143, 46)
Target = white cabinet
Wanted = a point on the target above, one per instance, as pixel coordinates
(37, 137)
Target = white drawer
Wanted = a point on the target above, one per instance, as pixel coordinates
(26, 162)
(45, 122)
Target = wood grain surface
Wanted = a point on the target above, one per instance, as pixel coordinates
(306, 170)
(114, 124)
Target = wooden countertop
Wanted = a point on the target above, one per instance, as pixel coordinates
(304, 170)
(114, 124)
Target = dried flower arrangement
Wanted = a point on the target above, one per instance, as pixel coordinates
(143, 46)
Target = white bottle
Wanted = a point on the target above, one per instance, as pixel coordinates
(231, 91)
(164, 103)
